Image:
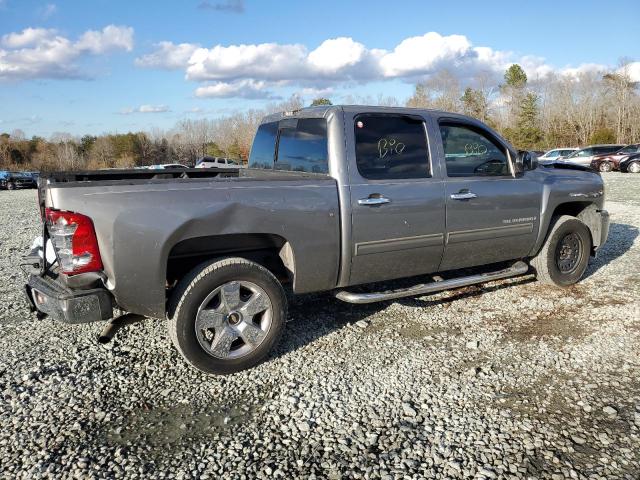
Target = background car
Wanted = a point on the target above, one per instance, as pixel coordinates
(631, 164)
(217, 162)
(585, 155)
(556, 153)
(16, 180)
(606, 163)
(167, 165)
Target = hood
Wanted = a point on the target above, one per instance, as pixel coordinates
(565, 165)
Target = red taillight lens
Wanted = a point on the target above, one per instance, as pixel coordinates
(74, 240)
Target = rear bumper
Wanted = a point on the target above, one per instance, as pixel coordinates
(67, 305)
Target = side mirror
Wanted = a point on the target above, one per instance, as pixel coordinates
(526, 161)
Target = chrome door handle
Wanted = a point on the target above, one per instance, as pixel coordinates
(372, 201)
(463, 196)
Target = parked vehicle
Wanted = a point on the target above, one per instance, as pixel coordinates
(556, 153)
(335, 196)
(584, 156)
(17, 180)
(216, 162)
(609, 162)
(631, 164)
(166, 165)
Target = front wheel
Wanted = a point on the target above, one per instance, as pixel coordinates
(605, 167)
(565, 254)
(11, 186)
(634, 167)
(226, 316)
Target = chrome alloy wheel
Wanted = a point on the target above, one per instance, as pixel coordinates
(233, 320)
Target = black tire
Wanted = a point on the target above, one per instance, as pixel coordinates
(633, 167)
(556, 263)
(196, 287)
(605, 167)
(11, 186)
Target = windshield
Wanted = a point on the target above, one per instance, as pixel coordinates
(585, 152)
(629, 149)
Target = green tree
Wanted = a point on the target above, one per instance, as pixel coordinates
(475, 104)
(527, 134)
(515, 77)
(321, 101)
(603, 135)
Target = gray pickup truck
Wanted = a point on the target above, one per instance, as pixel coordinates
(333, 197)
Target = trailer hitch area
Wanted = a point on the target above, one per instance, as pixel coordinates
(115, 324)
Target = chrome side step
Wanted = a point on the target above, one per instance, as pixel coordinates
(518, 268)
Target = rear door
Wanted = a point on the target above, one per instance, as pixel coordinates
(397, 200)
(491, 214)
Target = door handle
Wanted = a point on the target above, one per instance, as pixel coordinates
(463, 196)
(373, 200)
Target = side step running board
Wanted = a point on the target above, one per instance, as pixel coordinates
(518, 268)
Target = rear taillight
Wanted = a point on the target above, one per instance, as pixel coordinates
(74, 240)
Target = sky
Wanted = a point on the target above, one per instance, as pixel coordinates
(115, 66)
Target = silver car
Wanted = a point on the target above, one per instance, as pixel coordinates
(585, 155)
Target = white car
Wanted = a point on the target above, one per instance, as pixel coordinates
(216, 162)
(556, 153)
(166, 165)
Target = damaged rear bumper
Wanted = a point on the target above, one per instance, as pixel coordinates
(52, 298)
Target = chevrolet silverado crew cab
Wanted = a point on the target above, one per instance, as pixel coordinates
(334, 197)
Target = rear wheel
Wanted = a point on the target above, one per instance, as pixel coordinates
(564, 256)
(11, 186)
(605, 167)
(227, 315)
(633, 167)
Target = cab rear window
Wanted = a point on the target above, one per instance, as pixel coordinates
(298, 145)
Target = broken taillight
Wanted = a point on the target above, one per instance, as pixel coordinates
(74, 240)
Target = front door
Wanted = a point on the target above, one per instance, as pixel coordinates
(492, 214)
(397, 203)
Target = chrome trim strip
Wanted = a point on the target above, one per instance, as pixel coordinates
(396, 244)
(489, 233)
(518, 268)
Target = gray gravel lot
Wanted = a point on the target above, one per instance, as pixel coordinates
(508, 380)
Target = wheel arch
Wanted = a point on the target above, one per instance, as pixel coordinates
(586, 212)
(271, 251)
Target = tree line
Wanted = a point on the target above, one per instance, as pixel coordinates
(563, 111)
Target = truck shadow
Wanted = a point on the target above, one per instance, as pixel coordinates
(624, 235)
(331, 314)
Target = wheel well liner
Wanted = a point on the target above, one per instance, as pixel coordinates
(271, 251)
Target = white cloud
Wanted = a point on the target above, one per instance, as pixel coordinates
(254, 70)
(168, 56)
(43, 53)
(238, 89)
(266, 61)
(109, 38)
(145, 109)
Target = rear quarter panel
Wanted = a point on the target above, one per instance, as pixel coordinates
(138, 224)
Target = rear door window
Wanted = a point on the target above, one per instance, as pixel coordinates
(391, 147)
(302, 146)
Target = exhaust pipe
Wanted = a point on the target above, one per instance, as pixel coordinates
(112, 327)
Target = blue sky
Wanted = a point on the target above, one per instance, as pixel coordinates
(101, 66)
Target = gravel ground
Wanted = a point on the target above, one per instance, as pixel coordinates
(509, 380)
